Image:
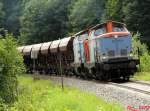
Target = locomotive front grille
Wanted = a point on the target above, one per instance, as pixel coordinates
(111, 53)
(123, 52)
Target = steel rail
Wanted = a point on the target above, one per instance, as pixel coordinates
(130, 88)
(141, 82)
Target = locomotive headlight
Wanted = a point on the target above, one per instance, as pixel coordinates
(104, 58)
(116, 36)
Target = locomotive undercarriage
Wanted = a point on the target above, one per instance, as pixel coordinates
(104, 71)
(108, 71)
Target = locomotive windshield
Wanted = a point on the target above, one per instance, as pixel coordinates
(119, 28)
(100, 31)
(111, 44)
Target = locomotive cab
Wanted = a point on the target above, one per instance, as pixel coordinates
(113, 42)
(113, 50)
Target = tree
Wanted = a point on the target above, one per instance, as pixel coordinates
(11, 65)
(44, 20)
(114, 10)
(2, 15)
(85, 13)
(13, 10)
(137, 17)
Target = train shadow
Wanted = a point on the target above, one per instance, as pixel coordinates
(119, 81)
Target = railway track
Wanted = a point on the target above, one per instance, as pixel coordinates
(137, 86)
(142, 82)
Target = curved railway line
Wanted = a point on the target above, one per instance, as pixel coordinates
(137, 86)
(106, 90)
(141, 87)
(142, 82)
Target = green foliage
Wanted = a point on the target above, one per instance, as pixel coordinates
(11, 64)
(85, 13)
(2, 15)
(145, 62)
(137, 44)
(144, 53)
(114, 10)
(44, 20)
(41, 95)
(13, 10)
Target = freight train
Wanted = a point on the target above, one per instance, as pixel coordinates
(103, 52)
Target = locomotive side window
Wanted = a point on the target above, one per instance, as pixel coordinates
(118, 29)
(100, 31)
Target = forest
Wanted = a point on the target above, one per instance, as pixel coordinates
(35, 21)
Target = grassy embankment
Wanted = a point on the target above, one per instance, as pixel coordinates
(42, 95)
(145, 76)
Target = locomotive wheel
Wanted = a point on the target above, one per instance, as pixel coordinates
(99, 75)
(106, 77)
(87, 73)
(78, 72)
(83, 73)
(93, 73)
(126, 78)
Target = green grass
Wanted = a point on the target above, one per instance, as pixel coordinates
(145, 76)
(42, 95)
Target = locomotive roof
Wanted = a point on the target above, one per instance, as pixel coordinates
(98, 25)
(81, 32)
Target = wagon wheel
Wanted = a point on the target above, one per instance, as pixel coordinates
(106, 77)
(126, 78)
(99, 75)
(78, 72)
(84, 74)
(93, 73)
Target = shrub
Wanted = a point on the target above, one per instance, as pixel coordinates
(144, 53)
(11, 64)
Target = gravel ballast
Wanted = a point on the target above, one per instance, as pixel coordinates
(109, 92)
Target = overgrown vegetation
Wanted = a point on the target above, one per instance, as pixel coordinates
(85, 13)
(11, 65)
(144, 68)
(42, 95)
(143, 53)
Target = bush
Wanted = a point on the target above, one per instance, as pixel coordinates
(11, 64)
(43, 95)
(145, 62)
(144, 53)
